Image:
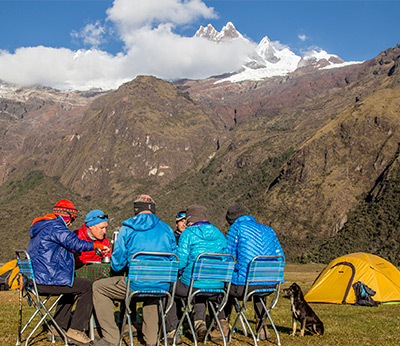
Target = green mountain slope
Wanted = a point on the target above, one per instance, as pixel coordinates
(26, 197)
(373, 226)
(303, 168)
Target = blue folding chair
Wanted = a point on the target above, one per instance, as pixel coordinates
(29, 290)
(263, 270)
(151, 267)
(208, 267)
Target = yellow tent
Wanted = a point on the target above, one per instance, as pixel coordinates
(9, 274)
(334, 284)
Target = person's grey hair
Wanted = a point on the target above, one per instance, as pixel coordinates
(144, 203)
(144, 199)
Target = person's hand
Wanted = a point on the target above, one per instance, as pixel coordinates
(106, 250)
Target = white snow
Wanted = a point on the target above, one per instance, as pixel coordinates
(269, 58)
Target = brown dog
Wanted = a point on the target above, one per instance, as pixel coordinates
(302, 312)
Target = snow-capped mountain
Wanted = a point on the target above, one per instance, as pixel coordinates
(228, 32)
(269, 58)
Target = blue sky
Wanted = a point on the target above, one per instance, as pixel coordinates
(94, 41)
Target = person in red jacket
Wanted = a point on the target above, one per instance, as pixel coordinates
(94, 229)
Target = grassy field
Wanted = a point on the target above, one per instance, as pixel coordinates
(345, 325)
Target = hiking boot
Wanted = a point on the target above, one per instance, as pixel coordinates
(126, 330)
(57, 336)
(264, 333)
(200, 328)
(77, 337)
(170, 338)
(216, 335)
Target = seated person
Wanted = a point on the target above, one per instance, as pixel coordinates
(51, 250)
(199, 237)
(94, 229)
(246, 239)
(180, 220)
(142, 232)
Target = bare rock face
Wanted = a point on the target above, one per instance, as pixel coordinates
(146, 132)
(38, 116)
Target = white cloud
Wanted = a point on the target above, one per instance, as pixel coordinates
(82, 69)
(302, 37)
(91, 35)
(133, 14)
(150, 47)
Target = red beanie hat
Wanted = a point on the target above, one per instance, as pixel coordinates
(66, 209)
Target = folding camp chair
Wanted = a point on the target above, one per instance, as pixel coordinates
(29, 290)
(151, 267)
(268, 271)
(208, 267)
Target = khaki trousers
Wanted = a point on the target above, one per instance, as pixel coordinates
(108, 289)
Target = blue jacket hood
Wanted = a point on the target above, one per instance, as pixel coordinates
(143, 232)
(39, 226)
(143, 223)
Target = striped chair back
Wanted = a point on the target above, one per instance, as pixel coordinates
(213, 267)
(153, 270)
(25, 265)
(266, 269)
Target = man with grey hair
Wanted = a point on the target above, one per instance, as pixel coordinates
(143, 232)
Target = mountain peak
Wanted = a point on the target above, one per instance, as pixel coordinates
(228, 32)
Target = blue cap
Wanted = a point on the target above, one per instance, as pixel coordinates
(94, 217)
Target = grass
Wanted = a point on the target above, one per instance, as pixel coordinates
(345, 325)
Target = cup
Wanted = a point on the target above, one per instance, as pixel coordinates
(106, 259)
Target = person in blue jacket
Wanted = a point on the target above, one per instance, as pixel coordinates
(143, 232)
(51, 250)
(199, 237)
(246, 239)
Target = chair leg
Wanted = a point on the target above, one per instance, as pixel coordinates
(121, 336)
(270, 319)
(243, 326)
(128, 316)
(163, 325)
(32, 302)
(91, 327)
(243, 320)
(39, 306)
(186, 315)
(215, 317)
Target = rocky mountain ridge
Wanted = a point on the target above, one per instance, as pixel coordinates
(297, 150)
(269, 58)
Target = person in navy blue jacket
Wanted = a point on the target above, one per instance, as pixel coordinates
(246, 239)
(51, 250)
(143, 232)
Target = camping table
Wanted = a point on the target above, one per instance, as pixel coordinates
(94, 271)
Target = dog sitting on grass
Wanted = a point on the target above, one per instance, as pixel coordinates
(302, 312)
